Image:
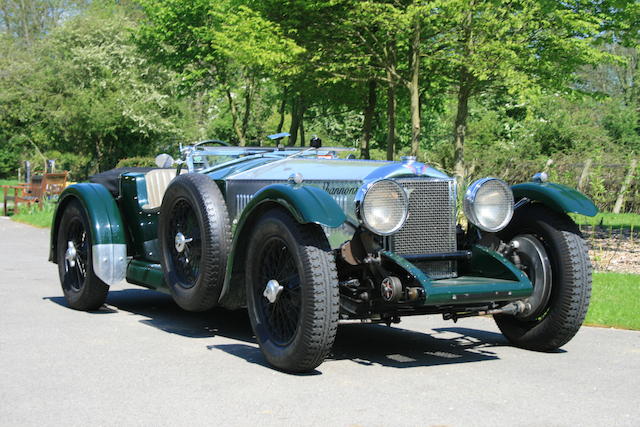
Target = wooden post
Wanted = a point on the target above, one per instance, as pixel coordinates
(625, 185)
(584, 176)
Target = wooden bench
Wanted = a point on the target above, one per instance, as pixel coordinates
(53, 184)
(41, 187)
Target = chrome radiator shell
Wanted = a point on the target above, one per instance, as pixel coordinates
(431, 225)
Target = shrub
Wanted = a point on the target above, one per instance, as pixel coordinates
(139, 161)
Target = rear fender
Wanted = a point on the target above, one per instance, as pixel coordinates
(556, 196)
(108, 239)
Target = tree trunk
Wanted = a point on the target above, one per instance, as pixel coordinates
(367, 126)
(623, 190)
(25, 22)
(302, 135)
(99, 155)
(248, 98)
(392, 60)
(6, 18)
(460, 126)
(281, 110)
(584, 176)
(297, 113)
(234, 119)
(391, 120)
(465, 84)
(414, 89)
(295, 122)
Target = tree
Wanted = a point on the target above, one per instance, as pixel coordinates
(515, 45)
(85, 89)
(28, 20)
(215, 44)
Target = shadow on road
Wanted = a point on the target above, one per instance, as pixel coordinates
(402, 348)
(379, 345)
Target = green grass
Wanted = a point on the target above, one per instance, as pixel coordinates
(608, 219)
(615, 301)
(35, 216)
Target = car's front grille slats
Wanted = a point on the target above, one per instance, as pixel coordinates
(431, 225)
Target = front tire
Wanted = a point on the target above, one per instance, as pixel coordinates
(292, 292)
(562, 306)
(82, 289)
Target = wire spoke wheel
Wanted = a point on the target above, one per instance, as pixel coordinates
(82, 289)
(195, 238)
(76, 256)
(186, 253)
(282, 315)
(292, 292)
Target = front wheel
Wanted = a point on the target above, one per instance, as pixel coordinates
(292, 292)
(554, 256)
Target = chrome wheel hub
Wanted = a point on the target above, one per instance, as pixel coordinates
(181, 241)
(71, 254)
(537, 266)
(272, 291)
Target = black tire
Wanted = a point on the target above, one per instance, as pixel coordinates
(561, 313)
(297, 330)
(194, 207)
(82, 289)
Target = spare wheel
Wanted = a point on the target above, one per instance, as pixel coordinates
(195, 238)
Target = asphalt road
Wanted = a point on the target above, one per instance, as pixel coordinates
(142, 361)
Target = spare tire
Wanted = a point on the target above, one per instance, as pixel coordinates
(195, 238)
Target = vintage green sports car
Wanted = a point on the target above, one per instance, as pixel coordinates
(306, 240)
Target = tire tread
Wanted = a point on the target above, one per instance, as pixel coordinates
(571, 290)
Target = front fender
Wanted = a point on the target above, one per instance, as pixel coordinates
(306, 204)
(556, 196)
(105, 225)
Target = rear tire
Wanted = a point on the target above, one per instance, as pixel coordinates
(563, 312)
(296, 328)
(82, 289)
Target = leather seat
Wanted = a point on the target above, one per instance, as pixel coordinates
(157, 181)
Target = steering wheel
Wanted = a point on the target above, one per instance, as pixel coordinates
(211, 141)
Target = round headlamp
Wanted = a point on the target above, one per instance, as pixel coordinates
(383, 207)
(488, 204)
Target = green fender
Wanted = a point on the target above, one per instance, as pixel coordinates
(307, 204)
(558, 197)
(108, 239)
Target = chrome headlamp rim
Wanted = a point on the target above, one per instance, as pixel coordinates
(360, 199)
(470, 199)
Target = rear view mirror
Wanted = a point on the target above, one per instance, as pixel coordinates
(164, 160)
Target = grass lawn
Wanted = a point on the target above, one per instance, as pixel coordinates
(37, 217)
(608, 219)
(615, 301)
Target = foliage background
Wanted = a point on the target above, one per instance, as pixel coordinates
(90, 83)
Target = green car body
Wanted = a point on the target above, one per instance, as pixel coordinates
(475, 274)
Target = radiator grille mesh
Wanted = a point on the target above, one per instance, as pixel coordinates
(431, 225)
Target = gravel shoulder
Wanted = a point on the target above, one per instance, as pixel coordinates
(143, 361)
(613, 250)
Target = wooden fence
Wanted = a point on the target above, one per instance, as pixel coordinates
(612, 182)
